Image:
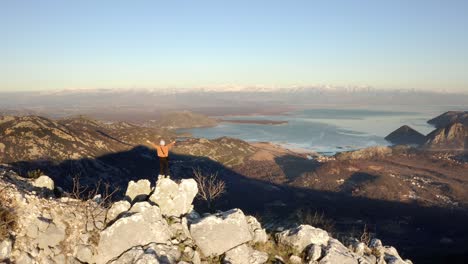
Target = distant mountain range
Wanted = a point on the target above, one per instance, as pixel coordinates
(141, 105)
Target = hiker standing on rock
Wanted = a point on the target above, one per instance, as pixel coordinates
(163, 154)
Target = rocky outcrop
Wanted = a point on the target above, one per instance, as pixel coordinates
(452, 137)
(449, 118)
(406, 135)
(302, 236)
(259, 234)
(174, 199)
(150, 254)
(45, 182)
(117, 209)
(244, 254)
(143, 225)
(5, 249)
(210, 232)
(138, 191)
(53, 230)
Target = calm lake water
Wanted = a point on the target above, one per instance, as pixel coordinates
(326, 131)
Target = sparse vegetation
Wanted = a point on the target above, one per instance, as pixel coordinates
(315, 219)
(35, 174)
(274, 249)
(213, 260)
(96, 201)
(365, 236)
(29, 173)
(210, 187)
(7, 218)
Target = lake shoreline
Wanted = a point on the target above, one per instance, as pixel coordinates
(256, 122)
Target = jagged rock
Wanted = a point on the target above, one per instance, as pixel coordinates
(45, 182)
(163, 253)
(451, 137)
(72, 260)
(37, 225)
(302, 236)
(258, 234)
(375, 243)
(216, 234)
(51, 237)
(237, 255)
(131, 256)
(293, 259)
(5, 249)
(84, 253)
(138, 191)
(174, 199)
(24, 258)
(335, 252)
(192, 216)
(188, 253)
(60, 258)
(149, 259)
(314, 252)
(391, 256)
(179, 229)
(196, 259)
(116, 209)
(279, 260)
(143, 227)
(150, 254)
(258, 257)
(244, 254)
(359, 248)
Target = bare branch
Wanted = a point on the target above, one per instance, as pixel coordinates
(210, 187)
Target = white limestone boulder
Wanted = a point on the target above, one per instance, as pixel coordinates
(259, 234)
(138, 191)
(244, 254)
(174, 199)
(216, 234)
(45, 182)
(302, 236)
(143, 225)
(117, 209)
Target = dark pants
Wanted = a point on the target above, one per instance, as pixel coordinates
(164, 166)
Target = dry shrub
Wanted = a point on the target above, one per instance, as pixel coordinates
(34, 174)
(365, 236)
(7, 218)
(274, 249)
(95, 200)
(210, 187)
(315, 219)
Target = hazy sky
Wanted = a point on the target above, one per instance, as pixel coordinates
(131, 44)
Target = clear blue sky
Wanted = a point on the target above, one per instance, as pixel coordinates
(146, 44)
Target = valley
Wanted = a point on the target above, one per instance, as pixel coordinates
(396, 192)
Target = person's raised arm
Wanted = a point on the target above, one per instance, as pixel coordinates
(152, 144)
(170, 145)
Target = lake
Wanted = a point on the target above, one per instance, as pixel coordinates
(325, 131)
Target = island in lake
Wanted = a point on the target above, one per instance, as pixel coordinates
(258, 122)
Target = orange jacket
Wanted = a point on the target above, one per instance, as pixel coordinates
(163, 151)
